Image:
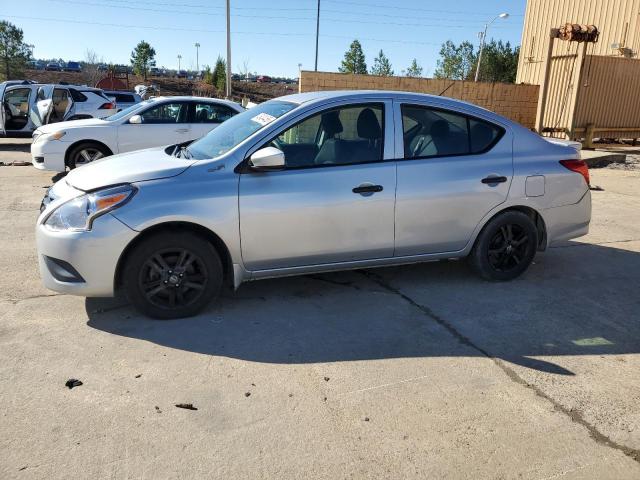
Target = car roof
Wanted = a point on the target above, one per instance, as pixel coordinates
(192, 98)
(363, 95)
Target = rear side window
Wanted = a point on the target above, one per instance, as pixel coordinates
(124, 98)
(212, 113)
(77, 96)
(430, 132)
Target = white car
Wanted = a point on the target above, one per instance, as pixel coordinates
(152, 123)
(27, 106)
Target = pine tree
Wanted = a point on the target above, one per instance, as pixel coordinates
(14, 53)
(354, 61)
(381, 65)
(414, 69)
(220, 74)
(142, 58)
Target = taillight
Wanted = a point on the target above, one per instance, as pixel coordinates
(107, 106)
(578, 166)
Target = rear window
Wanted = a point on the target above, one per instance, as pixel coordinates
(77, 96)
(123, 97)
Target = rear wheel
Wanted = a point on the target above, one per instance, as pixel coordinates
(173, 275)
(86, 153)
(505, 248)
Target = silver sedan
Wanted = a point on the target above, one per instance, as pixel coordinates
(308, 183)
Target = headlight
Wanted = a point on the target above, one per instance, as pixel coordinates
(57, 135)
(78, 214)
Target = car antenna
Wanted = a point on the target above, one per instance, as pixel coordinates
(443, 91)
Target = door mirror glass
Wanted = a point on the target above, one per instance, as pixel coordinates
(268, 158)
(135, 120)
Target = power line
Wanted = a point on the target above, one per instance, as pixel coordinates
(148, 27)
(413, 9)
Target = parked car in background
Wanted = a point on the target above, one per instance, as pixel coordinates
(72, 67)
(53, 67)
(151, 123)
(103, 67)
(27, 106)
(307, 183)
(123, 99)
(36, 65)
(182, 74)
(263, 79)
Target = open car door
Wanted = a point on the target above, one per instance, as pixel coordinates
(44, 103)
(2, 88)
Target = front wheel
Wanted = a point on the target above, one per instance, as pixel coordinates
(173, 275)
(505, 248)
(86, 153)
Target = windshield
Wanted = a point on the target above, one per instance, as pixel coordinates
(126, 111)
(238, 128)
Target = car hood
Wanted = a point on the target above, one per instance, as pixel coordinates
(88, 122)
(149, 164)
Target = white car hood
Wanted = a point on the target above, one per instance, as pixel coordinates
(88, 122)
(138, 166)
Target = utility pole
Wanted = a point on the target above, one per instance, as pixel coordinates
(317, 34)
(228, 82)
(179, 58)
(197, 57)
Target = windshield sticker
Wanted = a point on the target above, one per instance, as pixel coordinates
(263, 119)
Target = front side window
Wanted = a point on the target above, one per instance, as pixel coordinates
(430, 132)
(238, 128)
(212, 113)
(342, 136)
(174, 112)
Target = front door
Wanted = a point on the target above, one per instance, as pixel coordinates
(333, 202)
(454, 169)
(15, 106)
(44, 103)
(165, 123)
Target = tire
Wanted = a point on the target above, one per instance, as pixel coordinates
(86, 153)
(505, 247)
(172, 275)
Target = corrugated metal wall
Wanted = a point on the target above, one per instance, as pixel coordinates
(617, 20)
(609, 97)
(560, 100)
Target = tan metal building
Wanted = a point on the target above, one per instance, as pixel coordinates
(592, 87)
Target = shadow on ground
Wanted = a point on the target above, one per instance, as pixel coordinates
(580, 299)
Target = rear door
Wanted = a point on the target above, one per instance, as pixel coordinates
(453, 169)
(44, 103)
(163, 123)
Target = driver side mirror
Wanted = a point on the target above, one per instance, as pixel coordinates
(268, 158)
(135, 120)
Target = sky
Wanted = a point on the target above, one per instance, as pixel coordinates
(270, 37)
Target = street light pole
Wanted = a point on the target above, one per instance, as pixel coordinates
(228, 82)
(197, 57)
(483, 36)
(317, 34)
(179, 57)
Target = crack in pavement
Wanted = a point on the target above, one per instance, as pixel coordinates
(574, 415)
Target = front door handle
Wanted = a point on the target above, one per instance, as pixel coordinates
(182, 130)
(494, 180)
(367, 188)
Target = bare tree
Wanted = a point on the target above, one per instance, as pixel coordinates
(243, 69)
(91, 62)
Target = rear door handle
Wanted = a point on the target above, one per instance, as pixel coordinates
(362, 189)
(494, 180)
(182, 130)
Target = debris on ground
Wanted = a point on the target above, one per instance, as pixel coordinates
(247, 394)
(596, 188)
(366, 419)
(72, 382)
(186, 406)
(139, 375)
(326, 379)
(158, 409)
